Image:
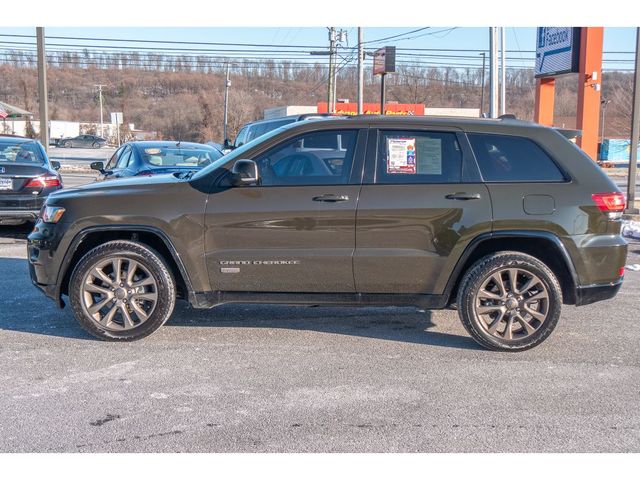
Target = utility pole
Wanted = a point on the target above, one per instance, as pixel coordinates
(360, 72)
(635, 134)
(42, 89)
(484, 60)
(503, 71)
(101, 114)
(493, 73)
(332, 68)
(227, 84)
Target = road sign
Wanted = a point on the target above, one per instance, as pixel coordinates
(557, 51)
(116, 117)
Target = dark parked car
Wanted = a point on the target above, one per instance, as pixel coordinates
(27, 177)
(253, 130)
(156, 158)
(82, 141)
(504, 220)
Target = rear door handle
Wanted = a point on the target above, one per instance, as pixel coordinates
(331, 198)
(462, 196)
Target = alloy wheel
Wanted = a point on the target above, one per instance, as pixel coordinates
(119, 294)
(512, 303)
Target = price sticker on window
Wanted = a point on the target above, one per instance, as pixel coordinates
(401, 155)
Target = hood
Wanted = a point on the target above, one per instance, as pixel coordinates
(118, 187)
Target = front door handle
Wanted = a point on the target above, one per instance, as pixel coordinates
(462, 196)
(331, 198)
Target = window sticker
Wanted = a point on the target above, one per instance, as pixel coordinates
(430, 156)
(401, 155)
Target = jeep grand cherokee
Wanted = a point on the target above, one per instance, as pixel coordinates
(502, 219)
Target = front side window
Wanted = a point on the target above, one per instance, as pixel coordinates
(316, 158)
(124, 159)
(418, 157)
(114, 159)
(505, 158)
(241, 138)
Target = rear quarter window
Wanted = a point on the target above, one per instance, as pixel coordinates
(506, 158)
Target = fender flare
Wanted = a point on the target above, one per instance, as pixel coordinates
(81, 235)
(477, 241)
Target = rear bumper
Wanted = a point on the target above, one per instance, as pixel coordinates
(28, 214)
(586, 295)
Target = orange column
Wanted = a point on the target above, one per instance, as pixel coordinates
(589, 81)
(545, 93)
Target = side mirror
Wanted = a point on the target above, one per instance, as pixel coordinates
(55, 165)
(244, 172)
(99, 166)
(227, 144)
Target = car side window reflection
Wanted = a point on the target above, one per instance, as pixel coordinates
(111, 164)
(315, 158)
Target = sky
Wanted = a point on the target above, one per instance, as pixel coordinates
(616, 39)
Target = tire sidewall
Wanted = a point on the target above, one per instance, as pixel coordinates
(150, 260)
(478, 274)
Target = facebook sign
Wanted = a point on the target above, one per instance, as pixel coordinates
(557, 51)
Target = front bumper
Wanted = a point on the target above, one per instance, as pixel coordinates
(42, 247)
(586, 295)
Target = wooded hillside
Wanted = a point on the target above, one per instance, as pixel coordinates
(184, 100)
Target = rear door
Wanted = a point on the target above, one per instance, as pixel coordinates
(421, 204)
(295, 232)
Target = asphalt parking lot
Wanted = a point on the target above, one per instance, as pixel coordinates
(276, 378)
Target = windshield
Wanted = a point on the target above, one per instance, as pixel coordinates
(21, 152)
(183, 156)
(239, 152)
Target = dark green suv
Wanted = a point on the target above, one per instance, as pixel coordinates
(502, 219)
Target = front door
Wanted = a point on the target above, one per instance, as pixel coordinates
(420, 205)
(295, 230)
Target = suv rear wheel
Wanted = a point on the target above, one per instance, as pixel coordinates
(122, 290)
(509, 301)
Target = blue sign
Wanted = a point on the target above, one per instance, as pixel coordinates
(557, 50)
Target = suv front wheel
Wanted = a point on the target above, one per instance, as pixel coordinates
(509, 301)
(122, 291)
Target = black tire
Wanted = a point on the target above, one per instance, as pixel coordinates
(469, 294)
(130, 251)
(66, 144)
(95, 145)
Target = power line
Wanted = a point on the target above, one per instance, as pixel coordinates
(395, 36)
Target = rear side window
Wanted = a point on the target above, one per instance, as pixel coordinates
(418, 157)
(505, 158)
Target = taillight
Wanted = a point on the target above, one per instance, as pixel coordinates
(44, 181)
(612, 202)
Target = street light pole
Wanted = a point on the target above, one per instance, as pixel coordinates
(360, 72)
(503, 71)
(635, 134)
(603, 104)
(227, 84)
(484, 59)
(493, 73)
(42, 89)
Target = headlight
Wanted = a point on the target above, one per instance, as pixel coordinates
(51, 214)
